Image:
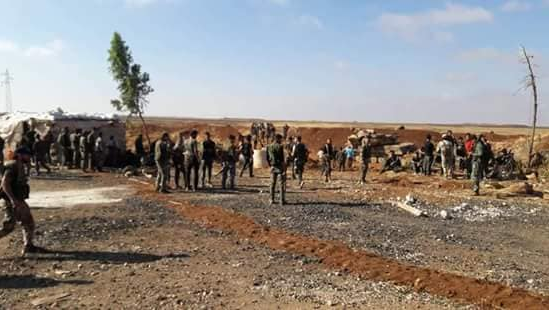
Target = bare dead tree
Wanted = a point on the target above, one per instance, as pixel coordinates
(530, 82)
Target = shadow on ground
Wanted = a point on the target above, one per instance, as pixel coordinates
(31, 281)
(102, 256)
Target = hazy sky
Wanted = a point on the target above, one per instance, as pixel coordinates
(392, 61)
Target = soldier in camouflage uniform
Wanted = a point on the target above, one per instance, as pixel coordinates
(14, 191)
(162, 159)
(288, 148)
(365, 154)
(247, 151)
(477, 171)
(230, 158)
(300, 154)
(276, 160)
(192, 162)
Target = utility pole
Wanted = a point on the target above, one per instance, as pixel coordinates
(530, 82)
(6, 82)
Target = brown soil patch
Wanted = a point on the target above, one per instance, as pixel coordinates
(370, 266)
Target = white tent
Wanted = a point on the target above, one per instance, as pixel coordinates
(11, 125)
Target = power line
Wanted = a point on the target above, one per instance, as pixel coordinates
(6, 82)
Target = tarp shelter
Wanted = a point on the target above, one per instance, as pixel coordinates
(11, 125)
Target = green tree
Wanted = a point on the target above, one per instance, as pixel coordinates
(133, 84)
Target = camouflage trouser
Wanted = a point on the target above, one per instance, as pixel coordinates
(427, 164)
(363, 171)
(248, 164)
(477, 173)
(192, 165)
(76, 159)
(448, 164)
(20, 214)
(85, 160)
(162, 176)
(275, 173)
(206, 166)
(228, 172)
(299, 168)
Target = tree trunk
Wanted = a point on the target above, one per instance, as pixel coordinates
(145, 129)
(532, 83)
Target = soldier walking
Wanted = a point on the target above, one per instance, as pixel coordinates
(162, 159)
(14, 191)
(276, 160)
(477, 171)
(300, 154)
(247, 151)
(208, 157)
(192, 162)
(228, 169)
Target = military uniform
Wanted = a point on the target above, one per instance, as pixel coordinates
(208, 157)
(20, 213)
(477, 171)
(275, 157)
(247, 152)
(64, 142)
(192, 163)
(230, 157)
(178, 159)
(162, 159)
(299, 154)
(40, 155)
(75, 148)
(366, 155)
(84, 163)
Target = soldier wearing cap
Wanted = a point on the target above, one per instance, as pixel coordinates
(14, 191)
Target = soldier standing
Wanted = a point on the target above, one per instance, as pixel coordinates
(247, 151)
(366, 155)
(14, 191)
(477, 171)
(228, 169)
(329, 155)
(64, 142)
(285, 131)
(428, 151)
(40, 154)
(139, 148)
(75, 148)
(276, 160)
(208, 157)
(90, 150)
(300, 154)
(49, 141)
(192, 162)
(82, 149)
(162, 159)
(288, 147)
(178, 159)
(98, 153)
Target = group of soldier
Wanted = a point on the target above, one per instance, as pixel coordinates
(79, 149)
(194, 160)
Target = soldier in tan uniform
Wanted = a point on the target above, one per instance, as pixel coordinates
(14, 191)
